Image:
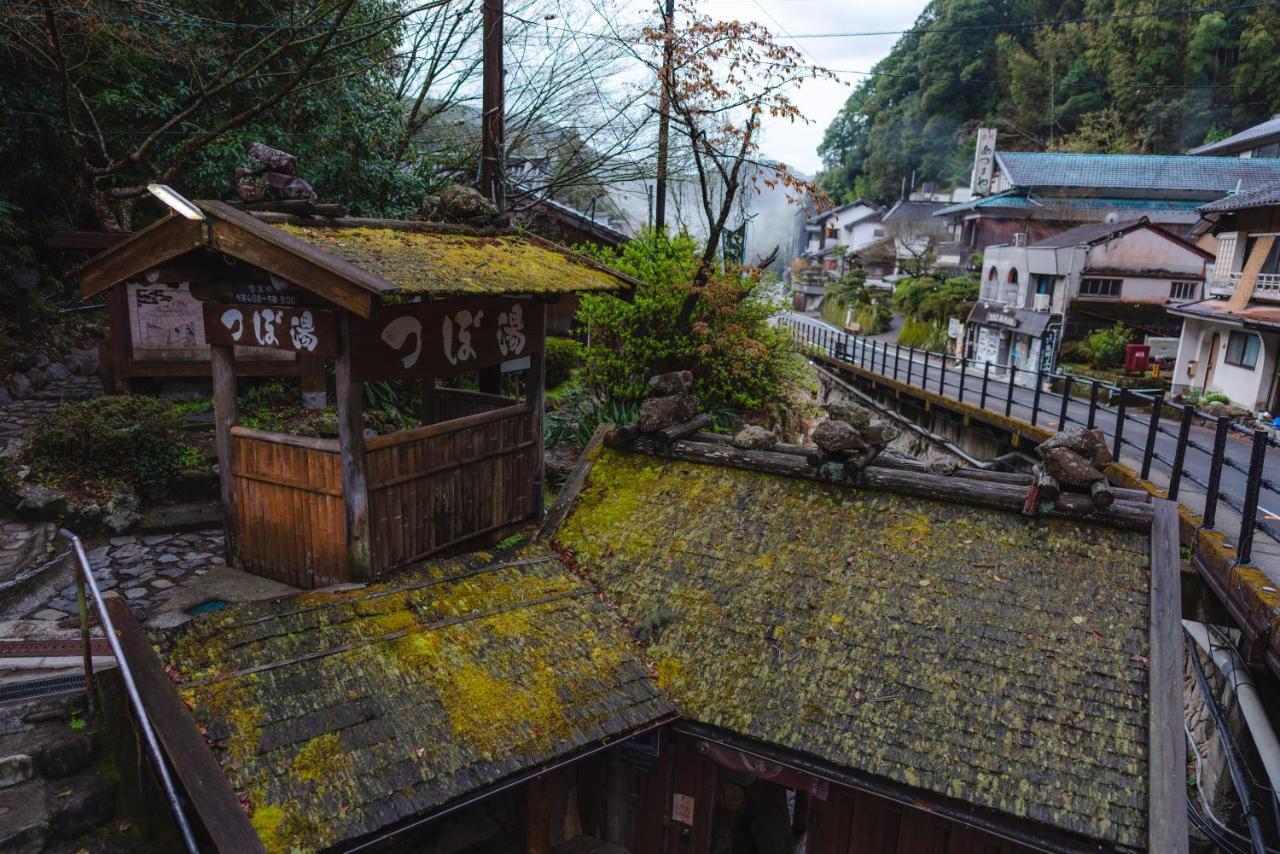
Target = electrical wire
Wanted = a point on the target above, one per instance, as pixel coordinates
(1204, 804)
(1233, 764)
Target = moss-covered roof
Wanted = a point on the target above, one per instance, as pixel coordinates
(338, 714)
(436, 263)
(971, 653)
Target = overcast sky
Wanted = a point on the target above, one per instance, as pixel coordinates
(797, 145)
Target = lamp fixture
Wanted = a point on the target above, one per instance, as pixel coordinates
(177, 202)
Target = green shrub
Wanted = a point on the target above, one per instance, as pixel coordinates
(563, 355)
(923, 335)
(1104, 348)
(873, 318)
(101, 443)
(580, 412)
(739, 358)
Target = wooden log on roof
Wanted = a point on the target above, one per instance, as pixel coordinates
(679, 431)
(1048, 488)
(1102, 494)
(982, 492)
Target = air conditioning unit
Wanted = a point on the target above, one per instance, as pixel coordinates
(1042, 302)
(1020, 240)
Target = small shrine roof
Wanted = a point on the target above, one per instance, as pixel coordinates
(337, 715)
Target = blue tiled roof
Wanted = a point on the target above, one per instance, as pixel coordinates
(1156, 172)
(1018, 199)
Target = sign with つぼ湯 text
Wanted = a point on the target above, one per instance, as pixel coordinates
(437, 339)
(306, 331)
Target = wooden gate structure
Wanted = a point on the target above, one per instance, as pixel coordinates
(383, 300)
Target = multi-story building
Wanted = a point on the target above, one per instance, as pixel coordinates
(1035, 294)
(1039, 193)
(1230, 340)
(833, 241)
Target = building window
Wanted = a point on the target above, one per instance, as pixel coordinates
(1242, 350)
(1013, 276)
(992, 275)
(879, 232)
(1184, 291)
(1104, 288)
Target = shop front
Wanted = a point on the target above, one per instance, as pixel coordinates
(1001, 336)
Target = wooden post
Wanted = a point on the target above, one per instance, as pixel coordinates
(537, 817)
(490, 380)
(427, 409)
(315, 386)
(492, 173)
(535, 395)
(114, 351)
(355, 491)
(224, 418)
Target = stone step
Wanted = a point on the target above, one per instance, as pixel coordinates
(25, 547)
(80, 804)
(25, 824)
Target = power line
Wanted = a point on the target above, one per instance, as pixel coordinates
(1046, 22)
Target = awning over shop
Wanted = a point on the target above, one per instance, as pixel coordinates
(1020, 320)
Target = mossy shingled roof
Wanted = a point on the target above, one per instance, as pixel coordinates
(434, 263)
(336, 715)
(971, 653)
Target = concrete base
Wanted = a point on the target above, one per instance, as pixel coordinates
(220, 582)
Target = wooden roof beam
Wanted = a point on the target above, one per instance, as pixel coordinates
(162, 240)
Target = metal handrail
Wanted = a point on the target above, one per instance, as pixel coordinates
(85, 579)
(845, 346)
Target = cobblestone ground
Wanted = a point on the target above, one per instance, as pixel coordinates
(17, 416)
(144, 569)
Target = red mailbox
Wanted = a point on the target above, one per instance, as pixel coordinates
(1136, 357)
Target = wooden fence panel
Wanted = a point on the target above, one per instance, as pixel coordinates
(289, 508)
(439, 485)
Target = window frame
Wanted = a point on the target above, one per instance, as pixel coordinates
(1192, 289)
(1238, 350)
(1119, 287)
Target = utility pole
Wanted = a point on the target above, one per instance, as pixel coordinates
(492, 177)
(664, 116)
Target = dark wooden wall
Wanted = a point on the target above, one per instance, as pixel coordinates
(444, 483)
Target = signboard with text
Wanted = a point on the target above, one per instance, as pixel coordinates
(306, 331)
(436, 339)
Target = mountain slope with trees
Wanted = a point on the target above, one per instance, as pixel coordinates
(1120, 76)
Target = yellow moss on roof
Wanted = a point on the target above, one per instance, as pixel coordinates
(371, 705)
(973, 653)
(429, 263)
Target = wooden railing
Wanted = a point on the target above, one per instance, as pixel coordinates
(290, 521)
(444, 483)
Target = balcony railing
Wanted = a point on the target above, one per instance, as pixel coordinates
(1267, 287)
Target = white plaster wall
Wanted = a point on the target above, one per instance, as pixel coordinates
(1004, 257)
(1144, 249)
(1248, 388)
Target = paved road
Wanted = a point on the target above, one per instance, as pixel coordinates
(885, 359)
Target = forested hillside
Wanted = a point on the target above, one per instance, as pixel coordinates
(1105, 75)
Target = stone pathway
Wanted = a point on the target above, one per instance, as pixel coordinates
(145, 569)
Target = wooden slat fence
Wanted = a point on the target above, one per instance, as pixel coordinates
(450, 403)
(289, 507)
(445, 483)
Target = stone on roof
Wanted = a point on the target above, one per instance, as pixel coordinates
(1242, 140)
(1265, 196)
(1156, 172)
(336, 715)
(968, 652)
(439, 262)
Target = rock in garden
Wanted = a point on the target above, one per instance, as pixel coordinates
(57, 372)
(559, 462)
(849, 413)
(37, 378)
(121, 513)
(42, 361)
(289, 186)
(466, 204)
(838, 437)
(673, 382)
(250, 188)
(20, 386)
(5, 397)
(83, 517)
(658, 413)
(754, 438)
(40, 503)
(273, 159)
(1069, 468)
(878, 433)
(1089, 443)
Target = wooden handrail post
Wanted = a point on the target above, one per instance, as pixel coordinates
(355, 488)
(224, 418)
